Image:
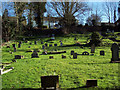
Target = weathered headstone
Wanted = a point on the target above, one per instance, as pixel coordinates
(55, 44)
(14, 49)
(8, 47)
(61, 44)
(50, 81)
(43, 47)
(44, 53)
(18, 57)
(26, 41)
(46, 45)
(102, 52)
(75, 56)
(30, 43)
(23, 39)
(72, 52)
(41, 42)
(20, 42)
(91, 83)
(13, 45)
(50, 45)
(34, 54)
(14, 60)
(93, 48)
(28, 46)
(19, 45)
(85, 53)
(75, 38)
(63, 56)
(35, 42)
(115, 52)
(51, 57)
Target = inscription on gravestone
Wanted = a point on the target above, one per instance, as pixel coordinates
(115, 52)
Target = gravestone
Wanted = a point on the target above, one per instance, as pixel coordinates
(102, 53)
(46, 44)
(93, 48)
(28, 46)
(63, 56)
(26, 41)
(35, 42)
(75, 38)
(85, 53)
(75, 56)
(30, 43)
(61, 44)
(51, 57)
(91, 83)
(20, 42)
(8, 47)
(41, 42)
(43, 47)
(23, 39)
(72, 52)
(44, 53)
(115, 52)
(19, 45)
(55, 44)
(14, 60)
(13, 45)
(34, 54)
(18, 57)
(50, 81)
(50, 45)
(14, 49)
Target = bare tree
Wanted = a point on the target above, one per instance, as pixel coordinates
(110, 11)
(69, 11)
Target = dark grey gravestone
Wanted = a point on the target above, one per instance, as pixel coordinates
(18, 57)
(13, 45)
(63, 56)
(93, 48)
(14, 49)
(102, 52)
(75, 56)
(61, 44)
(46, 44)
(41, 42)
(51, 57)
(30, 43)
(75, 38)
(28, 46)
(20, 42)
(43, 47)
(72, 52)
(35, 42)
(34, 54)
(85, 53)
(55, 44)
(50, 45)
(26, 41)
(14, 60)
(8, 47)
(115, 52)
(19, 45)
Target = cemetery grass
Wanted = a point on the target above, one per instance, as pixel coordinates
(73, 73)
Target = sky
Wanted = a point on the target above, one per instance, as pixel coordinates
(95, 4)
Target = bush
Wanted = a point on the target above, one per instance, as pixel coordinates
(95, 39)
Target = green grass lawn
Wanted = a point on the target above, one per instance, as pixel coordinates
(73, 73)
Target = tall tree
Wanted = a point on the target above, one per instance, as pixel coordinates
(19, 9)
(110, 11)
(93, 20)
(39, 9)
(68, 11)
